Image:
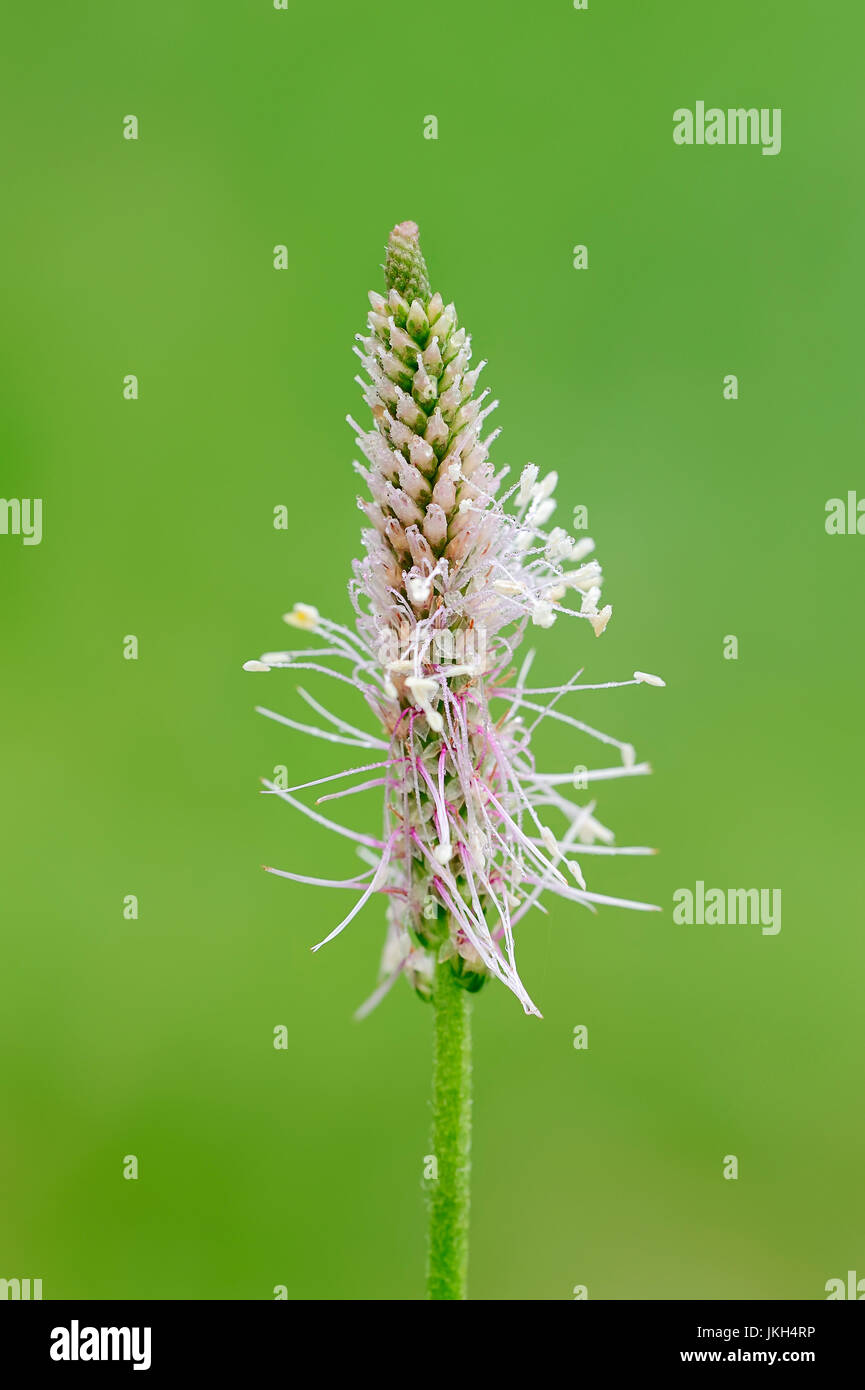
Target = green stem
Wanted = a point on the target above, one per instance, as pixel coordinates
(448, 1258)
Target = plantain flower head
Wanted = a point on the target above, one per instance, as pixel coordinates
(459, 563)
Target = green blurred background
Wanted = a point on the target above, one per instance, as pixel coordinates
(155, 1037)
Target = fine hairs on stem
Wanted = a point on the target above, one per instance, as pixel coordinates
(448, 1249)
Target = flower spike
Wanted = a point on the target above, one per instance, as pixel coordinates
(454, 572)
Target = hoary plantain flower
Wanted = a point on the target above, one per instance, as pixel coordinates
(459, 563)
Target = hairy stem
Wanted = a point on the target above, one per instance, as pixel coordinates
(448, 1256)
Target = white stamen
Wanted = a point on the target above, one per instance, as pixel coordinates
(528, 478)
(645, 679)
(303, 615)
(421, 687)
(586, 577)
(600, 622)
(540, 511)
(591, 830)
(577, 872)
(549, 840)
(559, 545)
(545, 487)
(419, 587)
(543, 614)
(421, 690)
